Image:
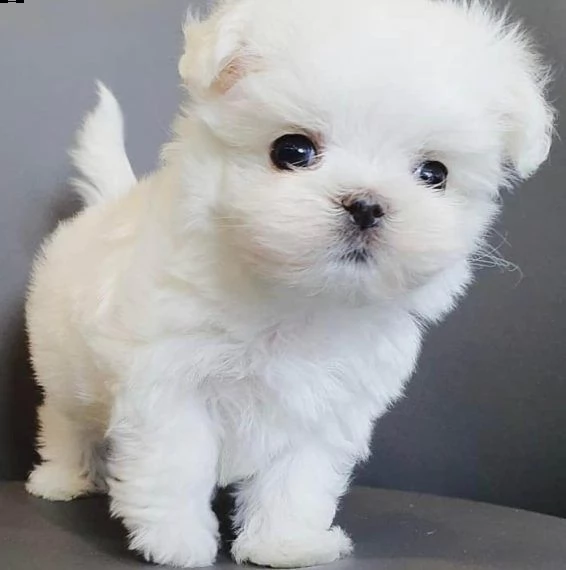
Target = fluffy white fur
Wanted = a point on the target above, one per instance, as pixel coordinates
(203, 327)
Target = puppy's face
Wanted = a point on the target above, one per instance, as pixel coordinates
(362, 152)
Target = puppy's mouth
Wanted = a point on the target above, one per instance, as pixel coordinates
(358, 232)
(357, 256)
(358, 247)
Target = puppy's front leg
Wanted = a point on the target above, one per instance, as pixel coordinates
(162, 473)
(284, 514)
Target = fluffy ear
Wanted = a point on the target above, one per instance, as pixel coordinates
(215, 56)
(529, 118)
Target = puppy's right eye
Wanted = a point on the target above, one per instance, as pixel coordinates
(293, 151)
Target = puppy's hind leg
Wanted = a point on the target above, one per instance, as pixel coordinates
(68, 451)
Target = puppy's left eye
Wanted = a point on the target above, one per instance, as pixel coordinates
(293, 151)
(433, 174)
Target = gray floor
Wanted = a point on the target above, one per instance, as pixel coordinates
(392, 531)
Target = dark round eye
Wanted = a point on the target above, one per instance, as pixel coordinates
(433, 174)
(293, 151)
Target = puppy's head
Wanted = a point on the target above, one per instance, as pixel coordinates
(362, 149)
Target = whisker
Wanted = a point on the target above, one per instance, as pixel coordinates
(489, 256)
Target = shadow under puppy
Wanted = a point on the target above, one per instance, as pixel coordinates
(244, 314)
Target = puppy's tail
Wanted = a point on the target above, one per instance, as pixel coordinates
(100, 153)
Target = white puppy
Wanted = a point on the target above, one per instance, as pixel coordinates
(243, 315)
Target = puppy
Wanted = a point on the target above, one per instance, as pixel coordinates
(243, 315)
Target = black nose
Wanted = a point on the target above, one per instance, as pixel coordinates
(365, 214)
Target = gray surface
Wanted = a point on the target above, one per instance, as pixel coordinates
(485, 415)
(392, 531)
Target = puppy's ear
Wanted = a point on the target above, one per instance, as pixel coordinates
(529, 118)
(215, 56)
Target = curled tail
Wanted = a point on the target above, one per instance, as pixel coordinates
(100, 154)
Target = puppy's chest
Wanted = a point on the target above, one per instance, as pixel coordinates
(286, 365)
(288, 384)
(328, 359)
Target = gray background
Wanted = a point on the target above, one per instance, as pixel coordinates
(484, 418)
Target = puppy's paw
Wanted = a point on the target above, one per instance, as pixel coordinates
(178, 546)
(307, 549)
(58, 483)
